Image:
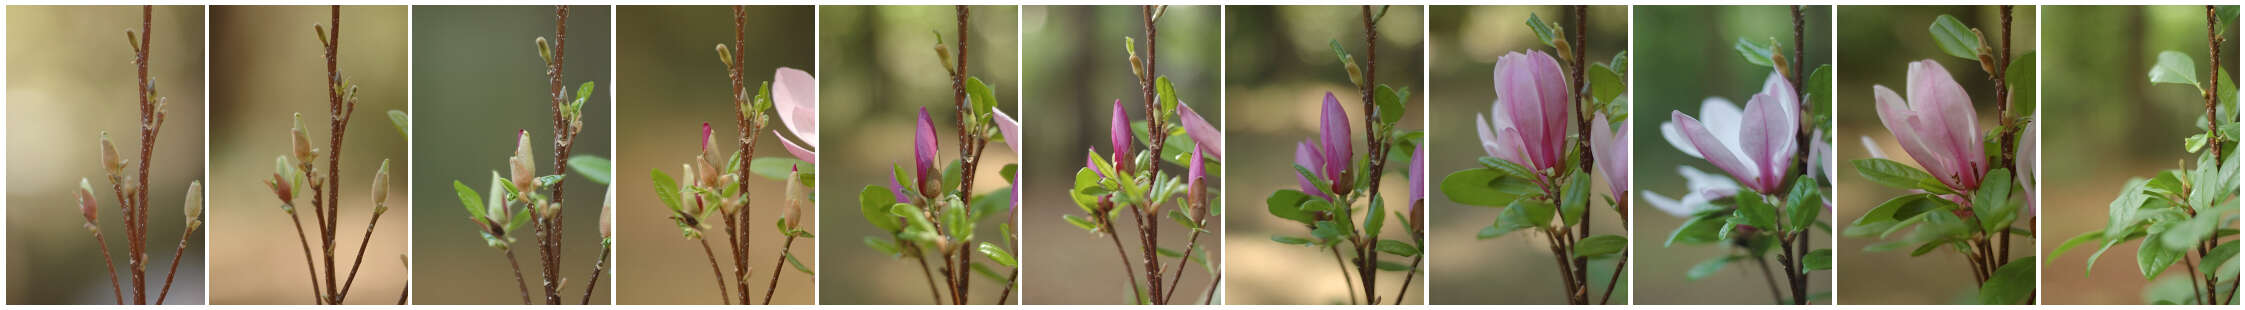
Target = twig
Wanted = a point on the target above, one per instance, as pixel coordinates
(1608, 298)
(1345, 277)
(1768, 277)
(933, 293)
(723, 296)
(1012, 279)
(1191, 243)
(1128, 273)
(177, 255)
(605, 249)
(114, 289)
(518, 282)
(363, 241)
(1410, 273)
(310, 272)
(776, 265)
(1220, 279)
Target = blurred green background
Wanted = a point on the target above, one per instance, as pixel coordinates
(1280, 64)
(883, 70)
(2107, 123)
(672, 82)
(1081, 69)
(1877, 43)
(1684, 55)
(268, 66)
(1467, 40)
(479, 80)
(68, 80)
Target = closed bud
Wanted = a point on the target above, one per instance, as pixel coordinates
(1137, 67)
(382, 184)
(793, 213)
(1777, 59)
(1566, 50)
(1356, 75)
(194, 202)
(608, 216)
(943, 55)
(86, 200)
(525, 177)
(545, 51)
(300, 142)
(706, 172)
(110, 160)
(495, 206)
(724, 55)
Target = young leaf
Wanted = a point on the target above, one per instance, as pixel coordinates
(873, 203)
(1165, 93)
(777, 168)
(1291, 240)
(2175, 67)
(1523, 214)
(1802, 206)
(980, 95)
(1390, 108)
(1601, 245)
(2153, 258)
(1955, 38)
(1287, 204)
(2021, 79)
(1698, 230)
(1485, 187)
(1820, 259)
(1752, 211)
(1708, 267)
(402, 122)
(473, 201)
(798, 264)
(1401, 249)
(1576, 204)
(1993, 200)
(997, 254)
(1755, 53)
(1605, 83)
(2011, 284)
(1897, 175)
(1543, 30)
(883, 245)
(592, 167)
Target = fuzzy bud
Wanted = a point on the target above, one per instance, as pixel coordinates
(194, 202)
(709, 142)
(525, 175)
(300, 143)
(793, 213)
(724, 55)
(706, 172)
(608, 216)
(943, 55)
(545, 51)
(495, 206)
(382, 185)
(86, 200)
(110, 159)
(1356, 75)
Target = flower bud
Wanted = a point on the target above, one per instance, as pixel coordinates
(495, 206)
(86, 200)
(724, 55)
(300, 142)
(793, 212)
(943, 55)
(194, 202)
(525, 177)
(1356, 75)
(382, 184)
(709, 142)
(608, 216)
(706, 172)
(110, 160)
(545, 51)
(1196, 188)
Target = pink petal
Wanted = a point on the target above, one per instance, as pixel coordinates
(1307, 157)
(1204, 134)
(1895, 114)
(1505, 147)
(1610, 154)
(1119, 135)
(795, 94)
(924, 147)
(1334, 124)
(1716, 153)
(1010, 128)
(800, 153)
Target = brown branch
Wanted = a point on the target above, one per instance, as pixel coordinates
(1407, 276)
(176, 256)
(115, 290)
(774, 285)
(1129, 275)
(597, 267)
(1345, 277)
(1608, 297)
(2213, 78)
(723, 296)
(311, 273)
(137, 238)
(518, 282)
(354, 274)
(1191, 243)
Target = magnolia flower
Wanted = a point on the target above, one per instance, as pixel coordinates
(795, 94)
(1196, 189)
(2025, 169)
(1612, 154)
(1701, 188)
(1330, 155)
(1009, 128)
(1120, 137)
(1936, 126)
(1762, 150)
(525, 176)
(1416, 175)
(1204, 135)
(1530, 113)
(923, 153)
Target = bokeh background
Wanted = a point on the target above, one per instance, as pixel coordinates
(673, 82)
(479, 80)
(1685, 55)
(2106, 123)
(1279, 65)
(883, 69)
(1467, 42)
(65, 86)
(1876, 45)
(268, 67)
(1081, 72)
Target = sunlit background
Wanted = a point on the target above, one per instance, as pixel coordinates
(1517, 268)
(670, 79)
(1682, 55)
(1279, 65)
(2106, 124)
(1080, 71)
(65, 86)
(1877, 44)
(478, 80)
(882, 69)
(267, 66)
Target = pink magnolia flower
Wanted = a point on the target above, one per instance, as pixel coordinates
(1612, 153)
(795, 94)
(1702, 187)
(1936, 125)
(1416, 175)
(1530, 113)
(1761, 153)
(1008, 127)
(923, 153)
(1204, 135)
(1329, 155)
(2025, 171)
(1120, 138)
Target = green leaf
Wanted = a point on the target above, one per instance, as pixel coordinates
(1888, 213)
(592, 167)
(1287, 204)
(1601, 245)
(1699, 230)
(1165, 93)
(1708, 267)
(1955, 38)
(1291, 240)
(1605, 83)
(951, 177)
(1485, 187)
(1392, 266)
(2175, 67)
(1523, 214)
(2021, 80)
(2077, 240)
(883, 245)
(2194, 142)
(997, 254)
(1897, 175)
(1993, 200)
(798, 264)
(402, 122)
(1183, 220)
(2011, 284)
(1802, 207)
(1080, 222)
(1820, 90)
(2188, 234)
(666, 188)
(2222, 262)
(1753, 211)
(520, 217)
(1820, 259)
(1390, 106)
(1576, 203)
(1375, 218)
(2153, 258)
(981, 95)
(1398, 248)
(2121, 214)
(873, 202)
(1543, 30)
(777, 168)
(584, 91)
(473, 201)
(1755, 53)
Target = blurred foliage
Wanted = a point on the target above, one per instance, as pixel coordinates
(1467, 42)
(1079, 50)
(2106, 123)
(878, 67)
(1683, 55)
(478, 81)
(672, 80)
(267, 67)
(69, 79)
(1279, 62)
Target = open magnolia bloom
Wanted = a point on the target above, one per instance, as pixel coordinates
(1611, 149)
(1759, 152)
(1936, 126)
(795, 94)
(1527, 125)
